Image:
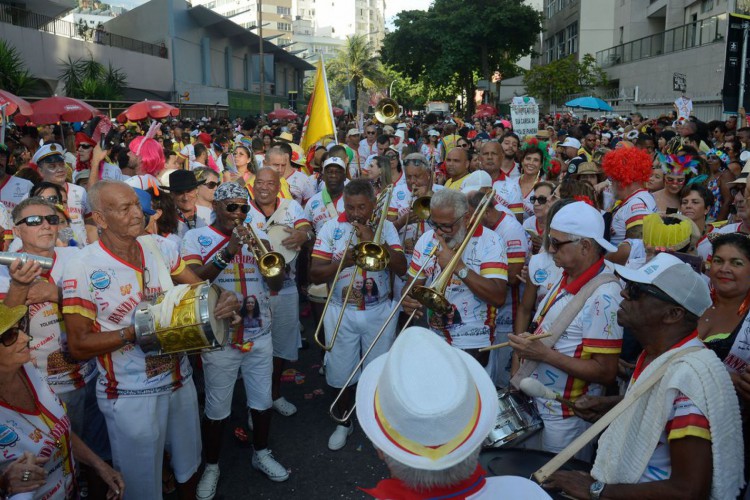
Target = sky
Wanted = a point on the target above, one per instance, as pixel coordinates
(393, 7)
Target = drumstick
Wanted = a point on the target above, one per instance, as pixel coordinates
(534, 388)
(506, 344)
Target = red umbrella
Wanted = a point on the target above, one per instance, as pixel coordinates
(338, 111)
(14, 103)
(489, 108)
(57, 109)
(483, 113)
(147, 109)
(282, 114)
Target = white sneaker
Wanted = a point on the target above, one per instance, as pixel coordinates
(249, 420)
(207, 485)
(339, 437)
(263, 461)
(284, 407)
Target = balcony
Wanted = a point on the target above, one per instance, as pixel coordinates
(687, 36)
(25, 19)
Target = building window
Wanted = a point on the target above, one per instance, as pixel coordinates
(284, 26)
(283, 11)
(707, 6)
(560, 44)
(572, 37)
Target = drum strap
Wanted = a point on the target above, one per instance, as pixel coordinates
(600, 425)
(162, 269)
(563, 321)
(278, 216)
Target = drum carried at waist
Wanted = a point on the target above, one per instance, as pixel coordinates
(181, 320)
(517, 419)
(317, 293)
(276, 234)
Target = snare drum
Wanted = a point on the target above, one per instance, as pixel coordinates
(317, 293)
(276, 234)
(517, 419)
(523, 463)
(193, 326)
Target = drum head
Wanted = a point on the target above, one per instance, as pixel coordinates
(219, 327)
(318, 293)
(276, 234)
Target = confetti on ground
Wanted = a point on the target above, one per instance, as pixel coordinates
(318, 392)
(359, 448)
(308, 396)
(240, 434)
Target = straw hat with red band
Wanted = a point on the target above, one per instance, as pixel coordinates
(424, 403)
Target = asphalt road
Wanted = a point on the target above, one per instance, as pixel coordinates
(300, 443)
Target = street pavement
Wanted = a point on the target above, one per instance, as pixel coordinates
(300, 443)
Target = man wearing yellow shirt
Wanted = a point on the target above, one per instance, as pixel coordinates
(457, 166)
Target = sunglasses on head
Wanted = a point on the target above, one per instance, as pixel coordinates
(541, 200)
(232, 207)
(10, 336)
(36, 220)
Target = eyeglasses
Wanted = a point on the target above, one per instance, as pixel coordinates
(53, 165)
(85, 146)
(232, 207)
(391, 157)
(540, 200)
(211, 184)
(52, 199)
(36, 220)
(465, 145)
(444, 227)
(635, 291)
(10, 336)
(369, 132)
(556, 244)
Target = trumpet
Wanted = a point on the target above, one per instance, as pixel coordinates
(368, 255)
(271, 264)
(434, 297)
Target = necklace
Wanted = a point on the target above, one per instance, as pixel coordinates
(58, 443)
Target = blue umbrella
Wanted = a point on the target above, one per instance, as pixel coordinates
(590, 103)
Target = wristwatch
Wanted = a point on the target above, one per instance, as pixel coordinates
(595, 490)
(310, 235)
(463, 273)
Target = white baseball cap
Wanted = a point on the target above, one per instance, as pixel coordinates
(475, 181)
(571, 142)
(434, 132)
(353, 131)
(673, 277)
(334, 160)
(583, 220)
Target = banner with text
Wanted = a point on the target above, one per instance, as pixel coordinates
(733, 66)
(525, 119)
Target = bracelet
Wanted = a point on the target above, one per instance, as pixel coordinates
(217, 261)
(122, 336)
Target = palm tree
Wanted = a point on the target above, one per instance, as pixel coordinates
(358, 63)
(14, 77)
(88, 79)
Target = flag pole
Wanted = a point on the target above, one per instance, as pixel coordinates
(328, 97)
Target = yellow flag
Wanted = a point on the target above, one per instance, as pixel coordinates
(319, 118)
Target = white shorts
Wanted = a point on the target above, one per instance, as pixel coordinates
(220, 373)
(142, 427)
(285, 326)
(358, 329)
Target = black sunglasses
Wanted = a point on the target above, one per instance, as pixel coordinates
(232, 207)
(556, 244)
(541, 199)
(36, 220)
(211, 185)
(52, 199)
(85, 146)
(636, 290)
(10, 336)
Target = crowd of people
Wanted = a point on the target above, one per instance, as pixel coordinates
(611, 254)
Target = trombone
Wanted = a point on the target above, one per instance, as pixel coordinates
(368, 255)
(434, 297)
(271, 264)
(395, 309)
(421, 207)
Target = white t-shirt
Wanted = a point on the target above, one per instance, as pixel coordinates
(78, 210)
(142, 181)
(366, 150)
(331, 244)
(705, 249)
(13, 190)
(630, 213)
(204, 216)
(301, 187)
(517, 247)
(508, 194)
(39, 434)
(111, 172)
(101, 287)
(241, 277)
(472, 322)
(594, 330)
(532, 224)
(317, 212)
(292, 217)
(6, 223)
(543, 273)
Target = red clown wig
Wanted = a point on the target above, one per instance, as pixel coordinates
(627, 166)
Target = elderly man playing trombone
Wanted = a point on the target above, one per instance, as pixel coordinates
(477, 274)
(360, 292)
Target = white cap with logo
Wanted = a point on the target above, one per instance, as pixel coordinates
(583, 220)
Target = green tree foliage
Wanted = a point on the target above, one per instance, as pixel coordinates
(357, 63)
(455, 41)
(555, 81)
(88, 79)
(14, 77)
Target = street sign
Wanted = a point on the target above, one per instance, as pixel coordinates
(679, 82)
(730, 94)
